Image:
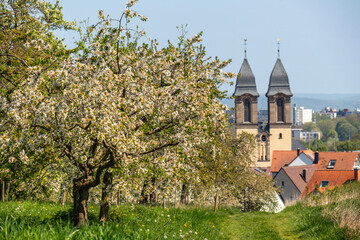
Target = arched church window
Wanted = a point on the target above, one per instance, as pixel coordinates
(280, 110)
(247, 111)
(280, 136)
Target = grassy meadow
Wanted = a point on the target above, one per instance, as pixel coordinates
(333, 215)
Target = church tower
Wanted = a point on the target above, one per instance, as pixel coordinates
(246, 96)
(279, 108)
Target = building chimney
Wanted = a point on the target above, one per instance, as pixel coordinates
(304, 175)
(357, 174)
(316, 160)
(298, 151)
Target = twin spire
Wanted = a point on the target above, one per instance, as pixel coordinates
(279, 81)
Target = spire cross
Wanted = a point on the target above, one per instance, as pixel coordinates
(278, 43)
(245, 40)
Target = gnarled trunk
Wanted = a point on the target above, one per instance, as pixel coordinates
(105, 197)
(81, 197)
(144, 196)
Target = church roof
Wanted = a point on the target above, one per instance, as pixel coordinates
(245, 82)
(279, 81)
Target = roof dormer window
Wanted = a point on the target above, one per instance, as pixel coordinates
(324, 183)
(331, 164)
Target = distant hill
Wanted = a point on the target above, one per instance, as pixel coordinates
(313, 101)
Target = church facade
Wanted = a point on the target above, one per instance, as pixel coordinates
(275, 134)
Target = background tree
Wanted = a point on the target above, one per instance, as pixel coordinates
(317, 145)
(227, 173)
(310, 127)
(23, 25)
(347, 146)
(345, 130)
(327, 127)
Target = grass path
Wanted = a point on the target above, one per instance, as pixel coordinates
(258, 225)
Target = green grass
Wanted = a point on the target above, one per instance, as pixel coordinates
(295, 222)
(33, 220)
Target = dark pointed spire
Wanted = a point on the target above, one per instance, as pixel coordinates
(245, 40)
(279, 81)
(245, 81)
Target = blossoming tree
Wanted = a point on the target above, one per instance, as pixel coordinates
(21, 22)
(112, 104)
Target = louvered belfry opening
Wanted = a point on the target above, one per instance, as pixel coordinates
(247, 111)
(280, 110)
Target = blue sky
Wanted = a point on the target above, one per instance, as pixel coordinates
(320, 39)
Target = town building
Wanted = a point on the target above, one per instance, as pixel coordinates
(283, 158)
(298, 173)
(275, 134)
(330, 112)
(305, 136)
(301, 115)
(292, 181)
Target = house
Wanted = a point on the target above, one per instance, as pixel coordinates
(336, 160)
(333, 169)
(303, 158)
(328, 179)
(308, 171)
(292, 181)
(281, 158)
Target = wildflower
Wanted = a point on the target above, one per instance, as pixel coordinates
(165, 236)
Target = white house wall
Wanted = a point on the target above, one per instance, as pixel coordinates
(301, 160)
(289, 191)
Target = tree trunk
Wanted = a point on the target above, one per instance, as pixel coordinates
(105, 197)
(153, 196)
(175, 198)
(3, 190)
(144, 197)
(184, 198)
(118, 200)
(7, 191)
(164, 202)
(81, 197)
(216, 198)
(64, 198)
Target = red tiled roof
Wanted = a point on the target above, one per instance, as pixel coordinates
(335, 178)
(281, 158)
(295, 173)
(344, 160)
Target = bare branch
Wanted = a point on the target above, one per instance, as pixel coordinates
(14, 56)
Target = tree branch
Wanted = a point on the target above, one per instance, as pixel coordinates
(14, 56)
